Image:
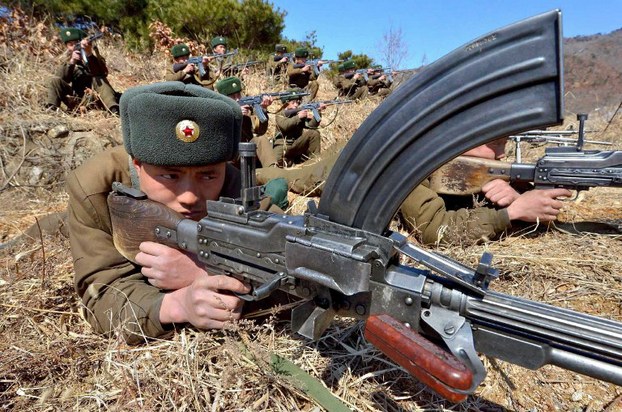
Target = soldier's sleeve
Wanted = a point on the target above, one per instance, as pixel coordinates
(291, 71)
(260, 128)
(97, 66)
(425, 214)
(65, 71)
(287, 125)
(117, 298)
(171, 75)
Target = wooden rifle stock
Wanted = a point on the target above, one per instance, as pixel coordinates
(465, 175)
(438, 369)
(133, 222)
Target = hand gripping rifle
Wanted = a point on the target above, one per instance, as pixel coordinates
(255, 102)
(341, 259)
(198, 61)
(315, 107)
(90, 39)
(569, 167)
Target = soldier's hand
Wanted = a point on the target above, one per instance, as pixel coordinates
(500, 192)
(207, 303)
(167, 268)
(266, 101)
(75, 57)
(284, 60)
(303, 114)
(538, 205)
(189, 69)
(87, 46)
(246, 110)
(306, 68)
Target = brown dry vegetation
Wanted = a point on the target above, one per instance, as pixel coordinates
(51, 361)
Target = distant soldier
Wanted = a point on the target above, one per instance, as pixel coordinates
(189, 73)
(301, 74)
(223, 66)
(378, 82)
(277, 63)
(297, 137)
(82, 69)
(349, 83)
(253, 130)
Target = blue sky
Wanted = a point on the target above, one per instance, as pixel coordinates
(430, 29)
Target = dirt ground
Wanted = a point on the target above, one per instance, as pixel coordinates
(51, 361)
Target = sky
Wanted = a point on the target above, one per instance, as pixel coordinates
(430, 29)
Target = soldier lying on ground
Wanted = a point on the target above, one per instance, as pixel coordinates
(429, 216)
(178, 155)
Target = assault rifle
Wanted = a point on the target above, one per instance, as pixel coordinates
(198, 61)
(289, 56)
(315, 108)
(340, 257)
(90, 39)
(314, 63)
(255, 102)
(569, 167)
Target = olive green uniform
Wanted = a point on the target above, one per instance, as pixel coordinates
(375, 86)
(106, 281)
(305, 80)
(253, 131)
(423, 211)
(296, 138)
(349, 87)
(207, 80)
(71, 80)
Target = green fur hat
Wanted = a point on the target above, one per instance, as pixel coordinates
(179, 50)
(301, 52)
(293, 95)
(70, 33)
(280, 48)
(348, 64)
(218, 40)
(229, 86)
(174, 124)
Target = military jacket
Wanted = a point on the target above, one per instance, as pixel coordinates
(292, 127)
(298, 77)
(79, 75)
(206, 80)
(117, 298)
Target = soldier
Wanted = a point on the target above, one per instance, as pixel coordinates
(277, 63)
(187, 73)
(435, 219)
(378, 83)
(178, 143)
(297, 136)
(301, 74)
(223, 66)
(349, 83)
(82, 69)
(253, 130)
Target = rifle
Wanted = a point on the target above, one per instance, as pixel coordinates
(315, 108)
(339, 270)
(341, 258)
(314, 64)
(289, 56)
(255, 101)
(90, 39)
(558, 137)
(241, 66)
(569, 167)
(198, 61)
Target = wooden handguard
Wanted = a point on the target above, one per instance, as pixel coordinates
(433, 366)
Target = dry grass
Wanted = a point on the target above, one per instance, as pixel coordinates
(51, 360)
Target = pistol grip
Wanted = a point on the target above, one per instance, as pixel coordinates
(433, 366)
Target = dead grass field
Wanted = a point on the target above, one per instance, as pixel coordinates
(51, 361)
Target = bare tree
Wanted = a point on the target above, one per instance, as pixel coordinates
(392, 48)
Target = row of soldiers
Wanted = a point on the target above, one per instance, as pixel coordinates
(297, 138)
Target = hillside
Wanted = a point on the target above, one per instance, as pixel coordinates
(593, 71)
(52, 361)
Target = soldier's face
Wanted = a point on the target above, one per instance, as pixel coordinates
(181, 59)
(70, 45)
(220, 49)
(490, 150)
(183, 189)
(293, 104)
